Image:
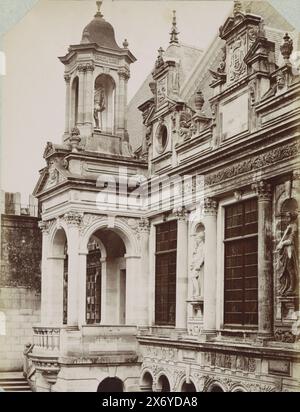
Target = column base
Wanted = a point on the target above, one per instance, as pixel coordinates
(263, 339)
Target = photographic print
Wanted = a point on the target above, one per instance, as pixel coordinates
(150, 192)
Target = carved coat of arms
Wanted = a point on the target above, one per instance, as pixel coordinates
(237, 66)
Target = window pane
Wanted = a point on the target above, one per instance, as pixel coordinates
(93, 287)
(165, 273)
(240, 274)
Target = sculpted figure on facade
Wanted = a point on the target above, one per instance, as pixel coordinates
(99, 106)
(287, 261)
(197, 266)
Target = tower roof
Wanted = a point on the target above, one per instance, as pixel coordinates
(100, 31)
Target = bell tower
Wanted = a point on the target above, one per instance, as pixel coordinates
(96, 73)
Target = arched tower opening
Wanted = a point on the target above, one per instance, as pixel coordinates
(104, 103)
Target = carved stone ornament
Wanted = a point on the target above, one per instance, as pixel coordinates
(197, 265)
(144, 225)
(73, 218)
(252, 91)
(287, 265)
(180, 213)
(254, 163)
(210, 206)
(48, 150)
(285, 336)
(159, 61)
(44, 226)
(237, 52)
(53, 174)
(199, 100)
(263, 190)
(286, 48)
(75, 139)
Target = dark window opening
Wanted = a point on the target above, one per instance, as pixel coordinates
(240, 278)
(93, 286)
(165, 273)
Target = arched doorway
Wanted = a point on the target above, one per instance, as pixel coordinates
(146, 382)
(106, 279)
(188, 387)
(163, 384)
(111, 385)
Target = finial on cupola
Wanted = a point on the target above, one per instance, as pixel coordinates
(174, 32)
(99, 4)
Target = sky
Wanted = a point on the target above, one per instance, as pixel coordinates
(33, 87)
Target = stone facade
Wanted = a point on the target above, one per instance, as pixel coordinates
(174, 268)
(20, 280)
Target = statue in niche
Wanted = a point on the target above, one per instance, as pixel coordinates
(99, 107)
(197, 266)
(287, 263)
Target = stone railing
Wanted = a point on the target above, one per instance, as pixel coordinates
(46, 339)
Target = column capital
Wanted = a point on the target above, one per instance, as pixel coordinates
(124, 73)
(90, 67)
(210, 206)
(81, 68)
(73, 218)
(296, 174)
(144, 225)
(180, 213)
(67, 78)
(263, 190)
(44, 226)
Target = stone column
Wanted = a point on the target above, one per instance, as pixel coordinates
(122, 101)
(68, 98)
(143, 280)
(89, 94)
(210, 207)
(81, 90)
(104, 303)
(132, 304)
(82, 288)
(181, 269)
(73, 220)
(264, 258)
(45, 298)
(151, 280)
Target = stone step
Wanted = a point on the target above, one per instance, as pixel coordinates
(13, 382)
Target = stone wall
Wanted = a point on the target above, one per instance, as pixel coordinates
(19, 311)
(20, 278)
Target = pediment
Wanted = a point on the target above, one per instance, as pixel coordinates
(261, 46)
(50, 177)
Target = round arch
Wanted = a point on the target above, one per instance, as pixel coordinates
(238, 388)
(187, 386)
(104, 102)
(216, 387)
(111, 385)
(146, 381)
(120, 227)
(55, 235)
(163, 383)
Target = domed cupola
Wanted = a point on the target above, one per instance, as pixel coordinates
(100, 31)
